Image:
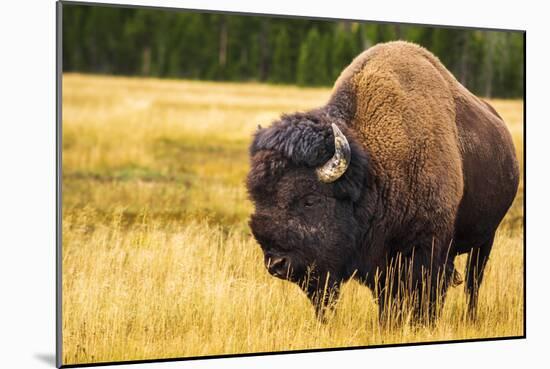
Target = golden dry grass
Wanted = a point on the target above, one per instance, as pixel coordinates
(158, 261)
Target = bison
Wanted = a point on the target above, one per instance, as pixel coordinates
(402, 170)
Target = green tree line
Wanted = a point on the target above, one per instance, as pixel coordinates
(231, 47)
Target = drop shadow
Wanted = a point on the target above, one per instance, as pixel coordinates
(46, 358)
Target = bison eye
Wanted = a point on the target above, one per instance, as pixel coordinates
(309, 201)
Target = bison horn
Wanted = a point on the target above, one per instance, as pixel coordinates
(337, 165)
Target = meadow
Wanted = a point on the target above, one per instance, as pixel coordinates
(157, 257)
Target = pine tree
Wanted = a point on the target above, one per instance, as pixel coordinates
(281, 71)
(342, 51)
(311, 70)
(240, 48)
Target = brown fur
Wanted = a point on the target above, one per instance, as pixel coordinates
(438, 151)
(405, 116)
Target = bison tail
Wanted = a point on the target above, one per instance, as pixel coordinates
(457, 279)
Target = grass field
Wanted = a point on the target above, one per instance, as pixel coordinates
(158, 260)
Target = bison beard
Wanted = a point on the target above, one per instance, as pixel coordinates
(385, 184)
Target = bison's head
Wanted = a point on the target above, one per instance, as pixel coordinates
(307, 175)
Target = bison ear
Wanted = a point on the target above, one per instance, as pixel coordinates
(354, 180)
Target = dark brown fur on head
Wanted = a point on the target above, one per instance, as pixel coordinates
(308, 223)
(302, 140)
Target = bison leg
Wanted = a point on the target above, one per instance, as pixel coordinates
(431, 280)
(416, 283)
(477, 260)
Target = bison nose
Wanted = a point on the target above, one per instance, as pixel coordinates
(278, 266)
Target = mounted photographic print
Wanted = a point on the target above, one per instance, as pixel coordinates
(236, 184)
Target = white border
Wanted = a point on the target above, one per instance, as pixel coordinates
(27, 201)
